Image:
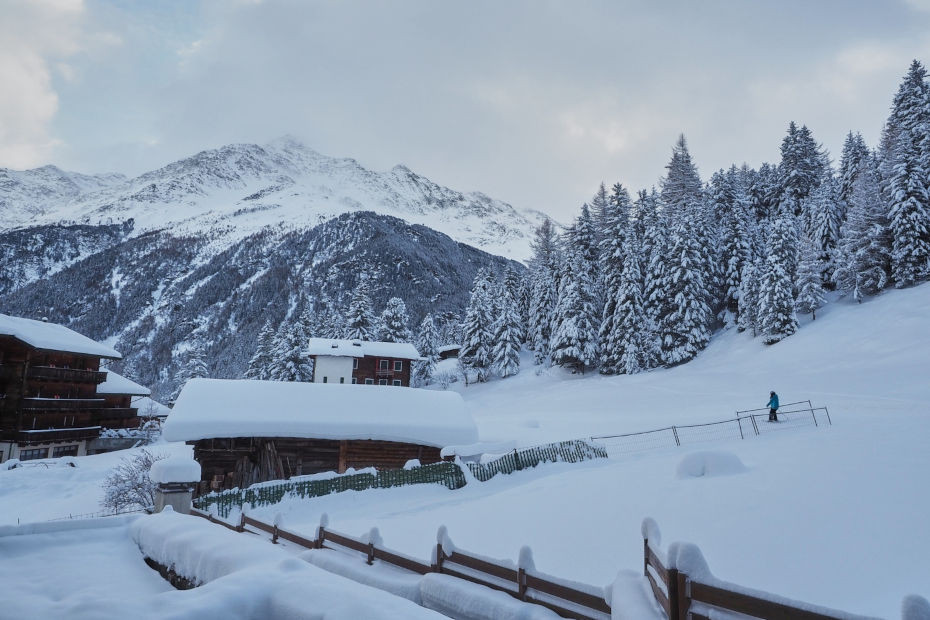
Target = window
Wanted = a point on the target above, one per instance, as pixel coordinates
(325, 379)
(342, 379)
(382, 365)
(31, 455)
(396, 382)
(398, 366)
(354, 363)
(382, 381)
(369, 381)
(354, 380)
(64, 451)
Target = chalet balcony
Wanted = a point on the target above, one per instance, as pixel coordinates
(8, 372)
(66, 375)
(117, 413)
(62, 404)
(50, 435)
(385, 373)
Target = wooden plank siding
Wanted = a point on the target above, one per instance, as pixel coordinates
(238, 461)
(369, 368)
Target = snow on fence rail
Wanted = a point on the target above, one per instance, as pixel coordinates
(790, 415)
(265, 494)
(521, 580)
(686, 589)
(573, 451)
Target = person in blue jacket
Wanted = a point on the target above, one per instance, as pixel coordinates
(773, 407)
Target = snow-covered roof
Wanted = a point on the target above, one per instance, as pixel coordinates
(449, 347)
(212, 408)
(118, 384)
(361, 348)
(52, 337)
(175, 469)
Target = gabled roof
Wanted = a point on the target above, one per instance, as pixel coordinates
(118, 384)
(53, 337)
(214, 408)
(361, 348)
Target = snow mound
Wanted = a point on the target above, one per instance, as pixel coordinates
(175, 469)
(706, 464)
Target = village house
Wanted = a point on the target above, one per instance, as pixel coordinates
(250, 431)
(50, 403)
(361, 362)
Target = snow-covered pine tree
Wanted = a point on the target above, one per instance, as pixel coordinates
(574, 337)
(802, 167)
(685, 329)
(475, 353)
(777, 319)
(616, 222)
(542, 283)
(910, 216)
(632, 341)
(749, 299)
(360, 321)
(863, 262)
(261, 359)
(810, 278)
(854, 153)
(506, 338)
(395, 322)
(515, 286)
(908, 118)
(193, 366)
(656, 302)
(681, 187)
(826, 217)
(736, 241)
(428, 346)
(290, 360)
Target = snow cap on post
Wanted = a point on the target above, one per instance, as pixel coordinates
(324, 523)
(650, 530)
(175, 469)
(525, 560)
(443, 538)
(687, 558)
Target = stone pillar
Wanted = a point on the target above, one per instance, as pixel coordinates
(178, 495)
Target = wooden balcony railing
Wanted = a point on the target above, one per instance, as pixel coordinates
(117, 413)
(66, 375)
(384, 373)
(57, 434)
(62, 404)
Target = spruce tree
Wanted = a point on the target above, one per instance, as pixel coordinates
(261, 359)
(475, 353)
(749, 299)
(910, 217)
(360, 322)
(193, 366)
(681, 186)
(631, 341)
(810, 282)
(802, 167)
(395, 322)
(616, 221)
(574, 338)
(506, 339)
(685, 329)
(428, 347)
(776, 318)
(826, 217)
(290, 360)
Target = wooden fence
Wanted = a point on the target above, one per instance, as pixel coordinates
(570, 601)
(684, 598)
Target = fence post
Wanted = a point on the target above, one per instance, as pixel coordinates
(241, 526)
(684, 596)
(321, 537)
(645, 557)
(814, 415)
(675, 432)
(439, 557)
(827, 411)
(740, 422)
(371, 553)
(673, 610)
(755, 426)
(521, 583)
(274, 534)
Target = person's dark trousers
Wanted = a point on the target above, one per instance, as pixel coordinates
(772, 416)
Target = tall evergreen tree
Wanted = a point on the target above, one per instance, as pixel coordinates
(475, 353)
(360, 322)
(616, 221)
(810, 279)
(681, 187)
(506, 338)
(777, 319)
(395, 322)
(802, 167)
(826, 216)
(631, 343)
(290, 359)
(685, 329)
(910, 217)
(574, 339)
(749, 299)
(428, 347)
(261, 359)
(863, 263)
(193, 366)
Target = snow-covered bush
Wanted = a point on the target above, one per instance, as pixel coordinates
(444, 379)
(128, 485)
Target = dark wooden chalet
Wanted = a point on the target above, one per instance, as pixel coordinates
(361, 362)
(49, 405)
(251, 431)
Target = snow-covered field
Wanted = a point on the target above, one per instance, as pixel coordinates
(834, 516)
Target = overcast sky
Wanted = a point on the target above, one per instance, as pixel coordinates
(533, 102)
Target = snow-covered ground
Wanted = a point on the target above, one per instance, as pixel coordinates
(833, 516)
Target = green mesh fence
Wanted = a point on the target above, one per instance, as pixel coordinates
(222, 503)
(565, 451)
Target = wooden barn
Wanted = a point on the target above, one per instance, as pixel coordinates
(251, 431)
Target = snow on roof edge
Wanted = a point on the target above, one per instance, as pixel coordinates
(53, 337)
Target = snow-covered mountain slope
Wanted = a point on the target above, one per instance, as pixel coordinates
(237, 190)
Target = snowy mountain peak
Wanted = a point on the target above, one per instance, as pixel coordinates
(243, 188)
